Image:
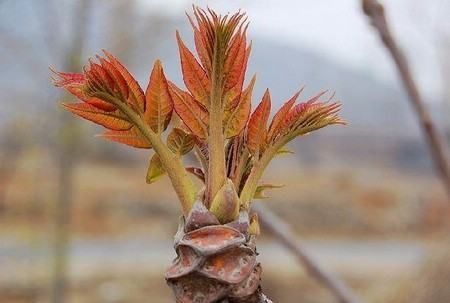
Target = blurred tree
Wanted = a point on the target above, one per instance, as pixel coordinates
(56, 33)
(119, 15)
(433, 27)
(12, 142)
(67, 156)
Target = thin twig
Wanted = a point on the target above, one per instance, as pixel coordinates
(375, 11)
(286, 237)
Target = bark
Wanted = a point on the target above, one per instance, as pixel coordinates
(215, 263)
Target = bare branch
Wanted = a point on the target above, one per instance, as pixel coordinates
(285, 236)
(375, 11)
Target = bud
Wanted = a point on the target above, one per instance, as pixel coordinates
(225, 205)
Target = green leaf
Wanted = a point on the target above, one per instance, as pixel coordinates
(260, 190)
(254, 228)
(155, 169)
(284, 151)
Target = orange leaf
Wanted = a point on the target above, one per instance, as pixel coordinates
(111, 120)
(136, 94)
(122, 87)
(256, 131)
(77, 91)
(194, 116)
(231, 96)
(101, 77)
(278, 119)
(201, 46)
(194, 75)
(206, 29)
(74, 84)
(297, 111)
(100, 104)
(131, 137)
(159, 105)
(202, 52)
(235, 61)
(239, 116)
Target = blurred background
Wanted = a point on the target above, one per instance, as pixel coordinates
(79, 224)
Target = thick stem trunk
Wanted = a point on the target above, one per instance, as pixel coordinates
(215, 263)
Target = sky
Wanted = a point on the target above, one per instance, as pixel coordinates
(338, 30)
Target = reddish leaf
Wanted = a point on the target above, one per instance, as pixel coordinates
(278, 119)
(202, 52)
(101, 77)
(231, 97)
(121, 84)
(131, 137)
(206, 30)
(257, 125)
(100, 104)
(238, 117)
(101, 85)
(297, 111)
(67, 78)
(194, 76)
(236, 61)
(110, 120)
(194, 116)
(136, 94)
(159, 105)
(77, 91)
(201, 47)
(309, 116)
(74, 84)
